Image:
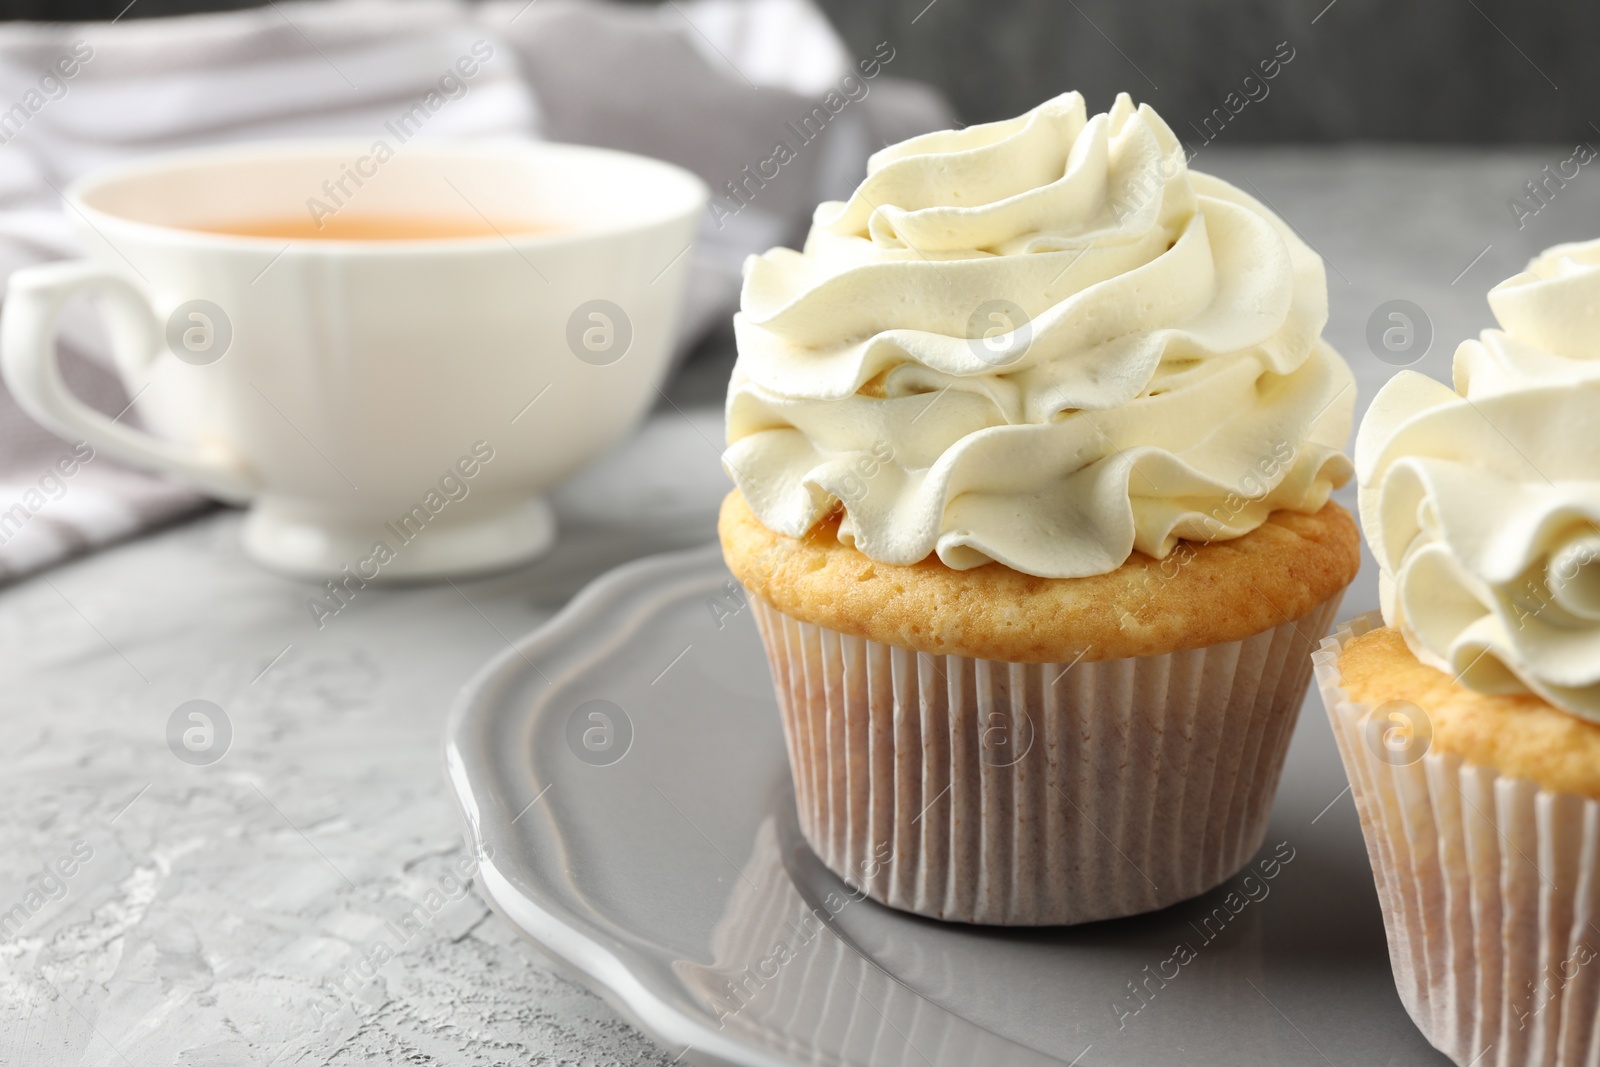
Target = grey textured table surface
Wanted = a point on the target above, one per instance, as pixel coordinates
(224, 911)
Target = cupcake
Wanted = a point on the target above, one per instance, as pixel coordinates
(1033, 447)
(1468, 711)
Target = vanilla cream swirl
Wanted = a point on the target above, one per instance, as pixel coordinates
(1482, 502)
(1043, 342)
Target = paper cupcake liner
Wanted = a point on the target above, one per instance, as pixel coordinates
(1031, 794)
(1490, 887)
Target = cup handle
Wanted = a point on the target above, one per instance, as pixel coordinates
(32, 309)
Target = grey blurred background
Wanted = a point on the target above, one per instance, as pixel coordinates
(1464, 71)
(1370, 70)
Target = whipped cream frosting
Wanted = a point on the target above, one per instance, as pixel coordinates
(1044, 342)
(1482, 502)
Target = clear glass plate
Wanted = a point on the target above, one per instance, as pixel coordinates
(623, 779)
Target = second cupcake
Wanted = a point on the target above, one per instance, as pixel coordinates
(1033, 446)
(1470, 724)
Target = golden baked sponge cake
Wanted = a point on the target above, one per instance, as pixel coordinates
(1207, 594)
(1520, 735)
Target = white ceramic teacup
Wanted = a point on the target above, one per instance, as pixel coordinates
(416, 395)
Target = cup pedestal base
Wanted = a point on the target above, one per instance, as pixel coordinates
(298, 539)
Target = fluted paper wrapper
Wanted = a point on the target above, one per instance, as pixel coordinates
(1032, 794)
(1490, 887)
